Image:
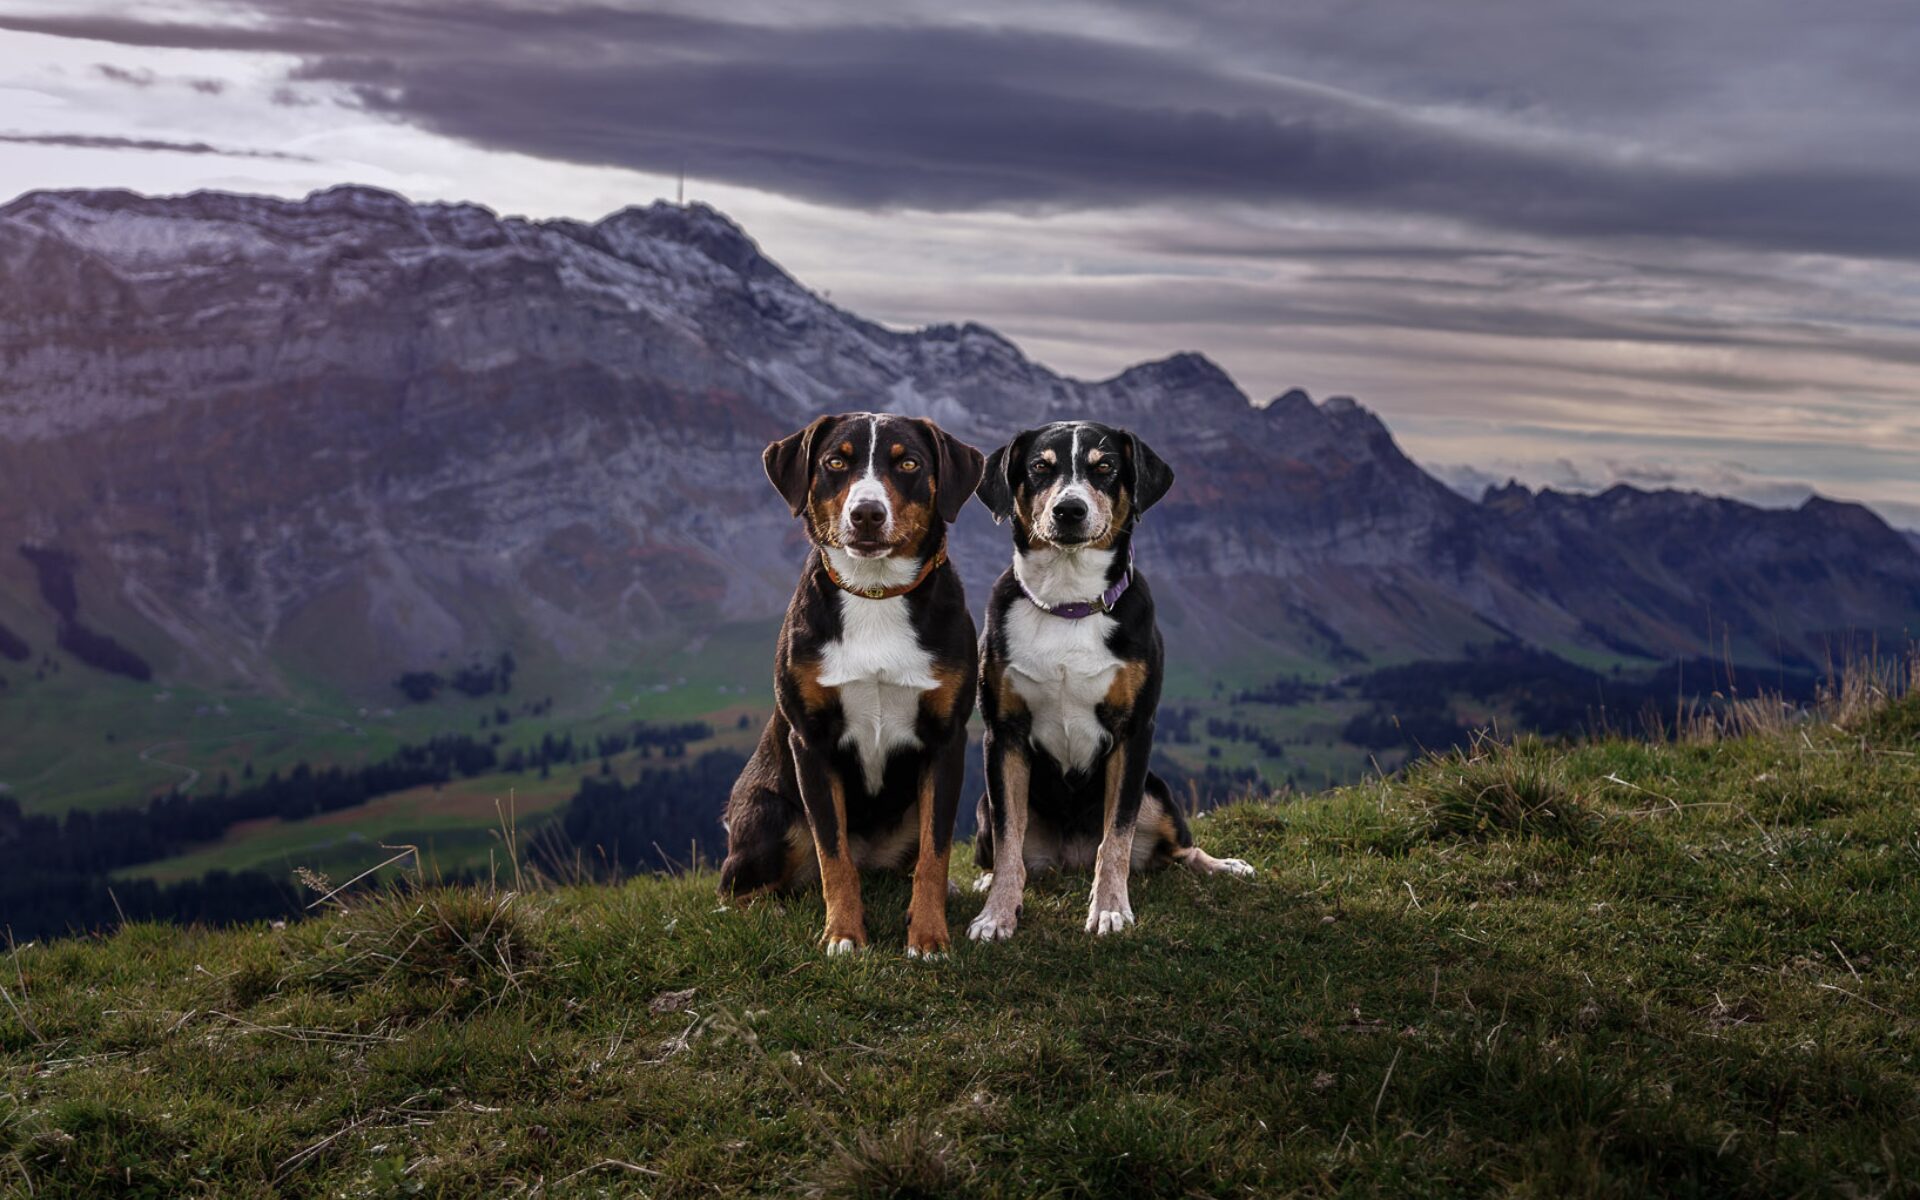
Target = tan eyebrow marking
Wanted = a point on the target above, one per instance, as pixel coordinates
(1094, 456)
(897, 449)
(1049, 455)
(846, 448)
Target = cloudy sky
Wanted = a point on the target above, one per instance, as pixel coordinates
(1676, 244)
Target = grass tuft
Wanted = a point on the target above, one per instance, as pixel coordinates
(1895, 725)
(468, 946)
(911, 1161)
(1497, 789)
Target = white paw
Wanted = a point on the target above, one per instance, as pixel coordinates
(990, 926)
(984, 882)
(925, 955)
(840, 946)
(1237, 866)
(1109, 920)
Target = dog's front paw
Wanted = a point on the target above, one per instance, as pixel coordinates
(993, 926)
(843, 941)
(1103, 921)
(927, 943)
(1238, 866)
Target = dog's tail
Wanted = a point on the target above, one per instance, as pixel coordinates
(983, 838)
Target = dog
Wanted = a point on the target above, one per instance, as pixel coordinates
(875, 677)
(1071, 669)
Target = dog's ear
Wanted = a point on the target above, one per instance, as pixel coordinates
(1152, 477)
(789, 464)
(996, 480)
(957, 468)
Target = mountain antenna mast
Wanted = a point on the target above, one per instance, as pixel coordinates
(680, 197)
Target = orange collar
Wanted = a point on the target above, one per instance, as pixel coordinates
(883, 593)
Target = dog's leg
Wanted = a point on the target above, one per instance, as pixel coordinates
(826, 803)
(1194, 858)
(768, 863)
(1008, 776)
(983, 843)
(1175, 836)
(939, 800)
(1110, 910)
(760, 821)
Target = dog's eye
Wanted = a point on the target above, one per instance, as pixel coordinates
(1105, 468)
(909, 464)
(1040, 466)
(836, 463)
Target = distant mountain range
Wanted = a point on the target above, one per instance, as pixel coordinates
(345, 436)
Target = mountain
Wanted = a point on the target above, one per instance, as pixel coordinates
(340, 437)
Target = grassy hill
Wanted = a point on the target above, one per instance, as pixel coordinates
(1624, 968)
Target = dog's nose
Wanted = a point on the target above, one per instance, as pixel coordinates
(1070, 511)
(869, 517)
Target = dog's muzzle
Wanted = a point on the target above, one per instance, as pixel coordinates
(866, 523)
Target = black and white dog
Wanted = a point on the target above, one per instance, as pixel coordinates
(1070, 672)
(875, 676)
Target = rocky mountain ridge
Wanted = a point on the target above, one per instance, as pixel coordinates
(350, 433)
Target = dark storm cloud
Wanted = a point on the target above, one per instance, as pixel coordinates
(144, 79)
(87, 141)
(137, 79)
(949, 118)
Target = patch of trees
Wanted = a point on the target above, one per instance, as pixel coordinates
(656, 821)
(39, 904)
(1209, 787)
(670, 740)
(13, 646)
(1174, 724)
(420, 686)
(1218, 784)
(55, 871)
(474, 679)
(95, 843)
(1412, 704)
(102, 653)
(1423, 728)
(54, 571)
(1281, 692)
(1228, 730)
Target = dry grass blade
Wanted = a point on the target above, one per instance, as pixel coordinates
(606, 1164)
(20, 1009)
(405, 851)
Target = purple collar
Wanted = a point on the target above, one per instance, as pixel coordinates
(1081, 609)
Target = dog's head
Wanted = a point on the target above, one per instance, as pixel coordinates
(873, 484)
(1074, 483)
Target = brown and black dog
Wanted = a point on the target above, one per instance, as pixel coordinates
(875, 677)
(1071, 667)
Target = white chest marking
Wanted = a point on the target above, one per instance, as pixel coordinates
(880, 670)
(1062, 669)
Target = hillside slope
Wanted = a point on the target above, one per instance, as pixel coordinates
(1624, 969)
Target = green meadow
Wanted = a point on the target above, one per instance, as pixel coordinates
(1687, 967)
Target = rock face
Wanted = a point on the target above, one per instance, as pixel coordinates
(349, 434)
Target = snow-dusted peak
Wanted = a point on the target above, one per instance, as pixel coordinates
(143, 231)
(697, 226)
(360, 200)
(1186, 370)
(1188, 384)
